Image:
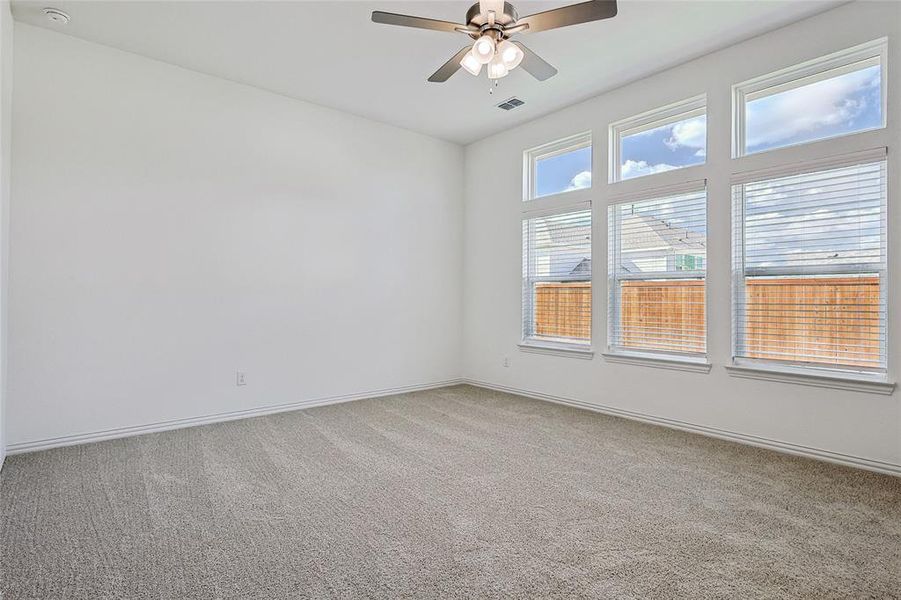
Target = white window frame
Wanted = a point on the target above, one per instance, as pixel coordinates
(545, 206)
(796, 76)
(652, 119)
(549, 150)
(809, 373)
(651, 356)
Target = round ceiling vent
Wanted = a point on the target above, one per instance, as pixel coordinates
(57, 16)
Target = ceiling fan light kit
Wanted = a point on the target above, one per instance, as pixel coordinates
(484, 49)
(491, 23)
(472, 64)
(510, 54)
(497, 68)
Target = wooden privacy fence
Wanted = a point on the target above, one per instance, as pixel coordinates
(563, 310)
(833, 320)
(663, 315)
(826, 319)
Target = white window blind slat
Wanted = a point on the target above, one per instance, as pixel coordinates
(556, 301)
(657, 255)
(809, 268)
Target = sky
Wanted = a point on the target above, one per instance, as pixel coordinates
(795, 221)
(665, 148)
(820, 219)
(564, 172)
(820, 110)
(851, 102)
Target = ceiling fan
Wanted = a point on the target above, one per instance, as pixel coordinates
(491, 23)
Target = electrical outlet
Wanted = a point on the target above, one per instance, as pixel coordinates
(240, 378)
(506, 361)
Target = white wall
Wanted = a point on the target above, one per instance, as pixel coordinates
(848, 424)
(169, 228)
(6, 63)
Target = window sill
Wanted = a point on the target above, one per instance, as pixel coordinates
(849, 382)
(569, 351)
(694, 365)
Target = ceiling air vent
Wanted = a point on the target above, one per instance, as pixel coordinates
(510, 104)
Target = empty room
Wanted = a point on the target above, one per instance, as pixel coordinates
(450, 299)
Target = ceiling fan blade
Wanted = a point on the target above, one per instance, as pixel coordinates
(450, 67)
(570, 15)
(534, 65)
(418, 22)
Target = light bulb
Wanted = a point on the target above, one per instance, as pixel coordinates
(471, 63)
(497, 68)
(510, 54)
(483, 49)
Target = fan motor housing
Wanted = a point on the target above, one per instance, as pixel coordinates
(474, 16)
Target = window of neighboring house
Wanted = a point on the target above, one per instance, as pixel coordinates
(828, 97)
(657, 270)
(661, 140)
(810, 267)
(559, 167)
(557, 279)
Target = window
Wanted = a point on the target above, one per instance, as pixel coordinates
(828, 97)
(556, 251)
(661, 140)
(562, 166)
(557, 278)
(810, 267)
(657, 270)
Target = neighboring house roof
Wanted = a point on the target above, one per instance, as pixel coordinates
(646, 234)
(583, 268)
(812, 259)
(650, 233)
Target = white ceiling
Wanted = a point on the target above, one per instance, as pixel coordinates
(331, 54)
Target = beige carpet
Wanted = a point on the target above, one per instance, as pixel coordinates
(458, 492)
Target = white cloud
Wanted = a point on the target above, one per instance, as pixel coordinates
(637, 168)
(804, 110)
(581, 180)
(688, 134)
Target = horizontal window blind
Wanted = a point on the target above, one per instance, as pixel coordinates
(810, 265)
(657, 258)
(557, 278)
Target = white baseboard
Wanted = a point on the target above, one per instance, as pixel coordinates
(120, 432)
(723, 434)
(778, 446)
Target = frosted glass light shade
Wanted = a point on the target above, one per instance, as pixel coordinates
(510, 54)
(471, 63)
(483, 49)
(497, 68)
